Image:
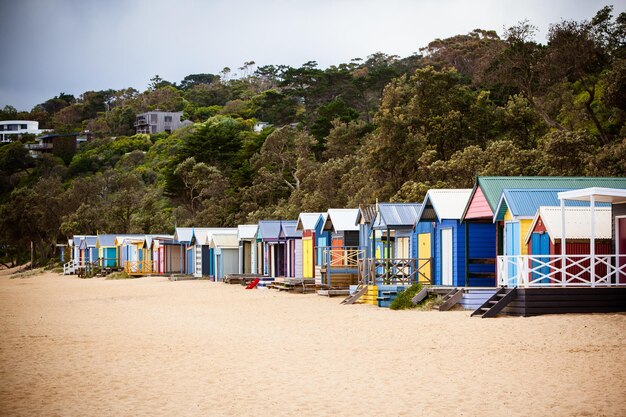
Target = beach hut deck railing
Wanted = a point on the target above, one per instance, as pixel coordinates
(342, 256)
(395, 271)
(140, 267)
(542, 271)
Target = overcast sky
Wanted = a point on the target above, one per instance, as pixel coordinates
(72, 46)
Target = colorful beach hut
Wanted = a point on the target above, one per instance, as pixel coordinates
(131, 253)
(226, 254)
(439, 223)
(340, 260)
(544, 235)
(486, 194)
(515, 213)
(107, 251)
(269, 255)
(203, 253)
(246, 235)
(292, 243)
(313, 237)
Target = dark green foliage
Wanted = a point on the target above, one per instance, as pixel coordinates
(403, 300)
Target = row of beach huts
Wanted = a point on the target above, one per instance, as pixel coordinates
(515, 245)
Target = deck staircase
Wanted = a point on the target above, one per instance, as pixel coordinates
(420, 296)
(69, 268)
(360, 290)
(496, 303)
(450, 299)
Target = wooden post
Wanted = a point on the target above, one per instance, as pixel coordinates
(467, 254)
(592, 242)
(563, 244)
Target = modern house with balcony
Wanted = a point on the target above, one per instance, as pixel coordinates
(159, 121)
(10, 130)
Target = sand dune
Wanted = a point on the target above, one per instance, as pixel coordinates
(148, 346)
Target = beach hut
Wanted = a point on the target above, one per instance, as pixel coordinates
(204, 252)
(313, 237)
(226, 254)
(340, 259)
(132, 255)
(269, 255)
(173, 253)
(107, 251)
(486, 195)
(516, 210)
(441, 212)
(544, 236)
(184, 235)
(246, 235)
(292, 243)
(156, 245)
(88, 252)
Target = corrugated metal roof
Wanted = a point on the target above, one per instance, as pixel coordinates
(493, 186)
(220, 240)
(367, 213)
(397, 215)
(525, 203)
(269, 229)
(444, 204)
(341, 220)
(183, 234)
(150, 238)
(121, 239)
(202, 235)
(247, 231)
(104, 241)
(577, 222)
(288, 228)
(308, 221)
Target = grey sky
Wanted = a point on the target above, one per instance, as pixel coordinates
(72, 46)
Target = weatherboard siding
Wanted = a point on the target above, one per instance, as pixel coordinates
(458, 252)
(478, 207)
(481, 245)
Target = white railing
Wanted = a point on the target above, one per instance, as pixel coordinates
(561, 271)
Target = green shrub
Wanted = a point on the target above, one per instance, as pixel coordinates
(403, 300)
(118, 275)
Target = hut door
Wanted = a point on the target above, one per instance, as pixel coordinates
(307, 257)
(511, 238)
(424, 254)
(540, 243)
(620, 240)
(446, 257)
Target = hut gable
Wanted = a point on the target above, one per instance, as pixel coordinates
(247, 231)
(444, 204)
(342, 220)
(577, 223)
(396, 215)
(492, 188)
(308, 221)
(269, 230)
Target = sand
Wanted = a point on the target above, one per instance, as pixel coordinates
(74, 347)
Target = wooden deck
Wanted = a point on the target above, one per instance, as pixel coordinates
(538, 301)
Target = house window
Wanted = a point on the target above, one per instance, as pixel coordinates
(168, 119)
(153, 118)
(24, 127)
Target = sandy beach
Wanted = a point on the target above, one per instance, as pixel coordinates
(96, 347)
